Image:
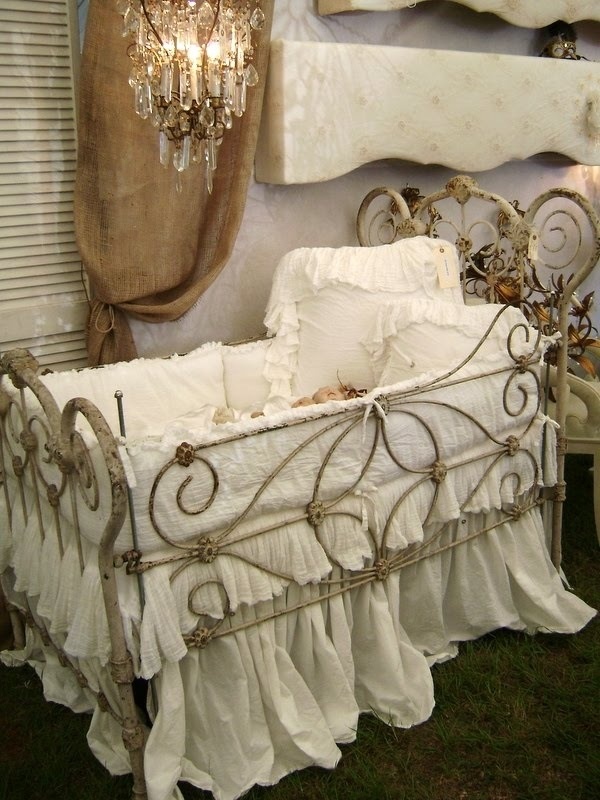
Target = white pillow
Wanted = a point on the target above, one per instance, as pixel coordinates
(154, 390)
(324, 302)
(418, 336)
(245, 384)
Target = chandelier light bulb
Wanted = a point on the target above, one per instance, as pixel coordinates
(213, 50)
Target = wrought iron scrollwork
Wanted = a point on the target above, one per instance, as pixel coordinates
(369, 421)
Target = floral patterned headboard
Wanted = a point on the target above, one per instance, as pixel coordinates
(526, 13)
(508, 254)
(332, 107)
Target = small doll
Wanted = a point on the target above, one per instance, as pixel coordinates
(327, 393)
(303, 401)
(322, 395)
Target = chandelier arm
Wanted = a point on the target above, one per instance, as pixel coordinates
(150, 23)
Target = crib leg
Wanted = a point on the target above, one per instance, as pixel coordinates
(139, 780)
(132, 732)
(6, 627)
(133, 738)
(18, 627)
(557, 512)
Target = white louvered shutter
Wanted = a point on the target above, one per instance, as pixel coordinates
(43, 302)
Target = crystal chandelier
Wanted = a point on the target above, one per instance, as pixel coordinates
(191, 67)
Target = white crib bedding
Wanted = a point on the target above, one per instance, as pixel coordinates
(261, 528)
(294, 507)
(458, 417)
(324, 302)
(295, 684)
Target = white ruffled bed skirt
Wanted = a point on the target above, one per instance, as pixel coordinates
(272, 698)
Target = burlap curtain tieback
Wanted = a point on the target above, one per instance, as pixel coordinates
(100, 309)
(109, 338)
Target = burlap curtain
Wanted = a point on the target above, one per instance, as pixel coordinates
(149, 250)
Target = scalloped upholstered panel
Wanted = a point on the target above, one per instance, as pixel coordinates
(330, 108)
(525, 13)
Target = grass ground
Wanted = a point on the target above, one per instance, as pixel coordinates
(517, 718)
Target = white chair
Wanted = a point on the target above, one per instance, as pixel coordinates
(583, 429)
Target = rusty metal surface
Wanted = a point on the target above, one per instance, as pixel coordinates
(43, 452)
(534, 258)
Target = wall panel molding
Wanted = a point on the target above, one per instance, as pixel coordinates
(330, 108)
(525, 13)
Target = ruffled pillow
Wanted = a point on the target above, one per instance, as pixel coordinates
(324, 301)
(413, 337)
(245, 385)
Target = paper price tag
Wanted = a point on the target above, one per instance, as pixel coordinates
(447, 267)
(532, 250)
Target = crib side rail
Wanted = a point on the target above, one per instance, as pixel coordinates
(46, 464)
(535, 258)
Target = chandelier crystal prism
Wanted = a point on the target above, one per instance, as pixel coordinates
(191, 68)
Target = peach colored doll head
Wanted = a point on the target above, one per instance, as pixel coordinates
(326, 393)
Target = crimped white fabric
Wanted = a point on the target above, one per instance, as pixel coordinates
(280, 696)
(413, 336)
(154, 389)
(324, 301)
(527, 13)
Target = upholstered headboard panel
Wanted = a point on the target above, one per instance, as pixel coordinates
(526, 13)
(330, 108)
